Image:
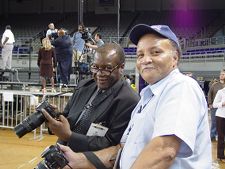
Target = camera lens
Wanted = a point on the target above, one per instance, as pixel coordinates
(30, 123)
(34, 120)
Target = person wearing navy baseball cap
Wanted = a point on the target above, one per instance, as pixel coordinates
(163, 30)
(169, 126)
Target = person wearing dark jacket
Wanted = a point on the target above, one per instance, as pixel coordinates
(100, 108)
(63, 48)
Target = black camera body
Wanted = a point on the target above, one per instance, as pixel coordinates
(35, 119)
(54, 35)
(53, 158)
(86, 34)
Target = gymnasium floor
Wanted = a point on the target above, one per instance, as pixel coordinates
(24, 153)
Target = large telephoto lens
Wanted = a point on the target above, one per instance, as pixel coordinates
(30, 123)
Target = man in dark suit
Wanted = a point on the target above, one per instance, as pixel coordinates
(63, 50)
(100, 109)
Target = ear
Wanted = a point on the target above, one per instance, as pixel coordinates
(175, 58)
(122, 65)
(121, 69)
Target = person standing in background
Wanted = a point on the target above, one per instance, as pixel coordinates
(7, 48)
(92, 45)
(46, 62)
(127, 78)
(219, 103)
(211, 95)
(78, 43)
(63, 49)
(51, 32)
(98, 42)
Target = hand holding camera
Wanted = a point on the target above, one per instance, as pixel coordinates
(53, 159)
(36, 119)
(60, 127)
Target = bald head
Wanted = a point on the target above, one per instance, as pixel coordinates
(112, 50)
(61, 32)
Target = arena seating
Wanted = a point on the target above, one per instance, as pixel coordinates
(106, 24)
(204, 51)
(207, 18)
(28, 34)
(130, 51)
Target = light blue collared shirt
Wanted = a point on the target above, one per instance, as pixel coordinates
(176, 106)
(78, 42)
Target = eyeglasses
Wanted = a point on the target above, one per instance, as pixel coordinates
(106, 71)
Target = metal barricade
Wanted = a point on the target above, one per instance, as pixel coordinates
(17, 105)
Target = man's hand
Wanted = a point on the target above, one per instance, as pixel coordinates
(60, 127)
(88, 44)
(91, 46)
(76, 160)
(79, 161)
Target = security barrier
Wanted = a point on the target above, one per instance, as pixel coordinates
(17, 105)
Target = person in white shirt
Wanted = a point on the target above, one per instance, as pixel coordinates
(51, 32)
(7, 48)
(219, 103)
(169, 126)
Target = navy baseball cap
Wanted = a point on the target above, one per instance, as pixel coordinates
(141, 29)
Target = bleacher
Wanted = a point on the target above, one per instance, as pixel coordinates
(20, 50)
(205, 51)
(131, 51)
(28, 34)
(195, 26)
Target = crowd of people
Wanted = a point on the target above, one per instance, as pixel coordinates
(67, 50)
(55, 62)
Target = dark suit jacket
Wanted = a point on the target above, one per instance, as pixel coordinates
(112, 108)
(63, 48)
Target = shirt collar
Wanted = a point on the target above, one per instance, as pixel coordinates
(156, 88)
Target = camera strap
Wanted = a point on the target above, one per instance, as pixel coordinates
(94, 160)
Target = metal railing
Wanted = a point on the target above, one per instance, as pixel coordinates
(17, 105)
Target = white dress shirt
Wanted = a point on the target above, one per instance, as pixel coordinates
(218, 101)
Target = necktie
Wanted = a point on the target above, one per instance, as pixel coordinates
(84, 120)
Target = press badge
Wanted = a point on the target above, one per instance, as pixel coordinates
(97, 130)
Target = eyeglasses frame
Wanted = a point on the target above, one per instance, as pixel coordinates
(110, 71)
